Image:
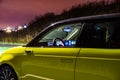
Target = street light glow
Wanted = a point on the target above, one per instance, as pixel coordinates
(24, 26)
(8, 30)
(20, 27)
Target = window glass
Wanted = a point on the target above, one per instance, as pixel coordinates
(100, 35)
(61, 36)
(114, 34)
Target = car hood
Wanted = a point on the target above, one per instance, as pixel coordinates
(11, 53)
(2, 49)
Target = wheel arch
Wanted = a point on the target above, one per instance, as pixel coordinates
(12, 67)
(5, 64)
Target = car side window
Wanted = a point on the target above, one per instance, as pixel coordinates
(100, 35)
(93, 35)
(114, 34)
(61, 36)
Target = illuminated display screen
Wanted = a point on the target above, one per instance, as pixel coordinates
(67, 29)
(70, 43)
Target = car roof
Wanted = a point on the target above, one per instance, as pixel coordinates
(90, 18)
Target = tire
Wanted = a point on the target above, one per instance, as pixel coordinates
(7, 73)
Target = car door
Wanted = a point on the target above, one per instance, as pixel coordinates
(99, 57)
(52, 56)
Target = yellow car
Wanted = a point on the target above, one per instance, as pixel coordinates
(85, 48)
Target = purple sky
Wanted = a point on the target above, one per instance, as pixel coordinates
(19, 12)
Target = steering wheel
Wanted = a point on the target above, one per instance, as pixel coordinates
(58, 39)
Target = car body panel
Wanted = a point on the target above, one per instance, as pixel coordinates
(49, 64)
(12, 57)
(98, 64)
(94, 63)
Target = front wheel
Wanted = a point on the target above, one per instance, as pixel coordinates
(7, 73)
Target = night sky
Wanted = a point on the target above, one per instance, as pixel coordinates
(18, 12)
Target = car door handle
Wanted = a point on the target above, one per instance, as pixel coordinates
(28, 51)
(67, 60)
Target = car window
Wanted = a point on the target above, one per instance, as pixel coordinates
(100, 35)
(61, 36)
(114, 34)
